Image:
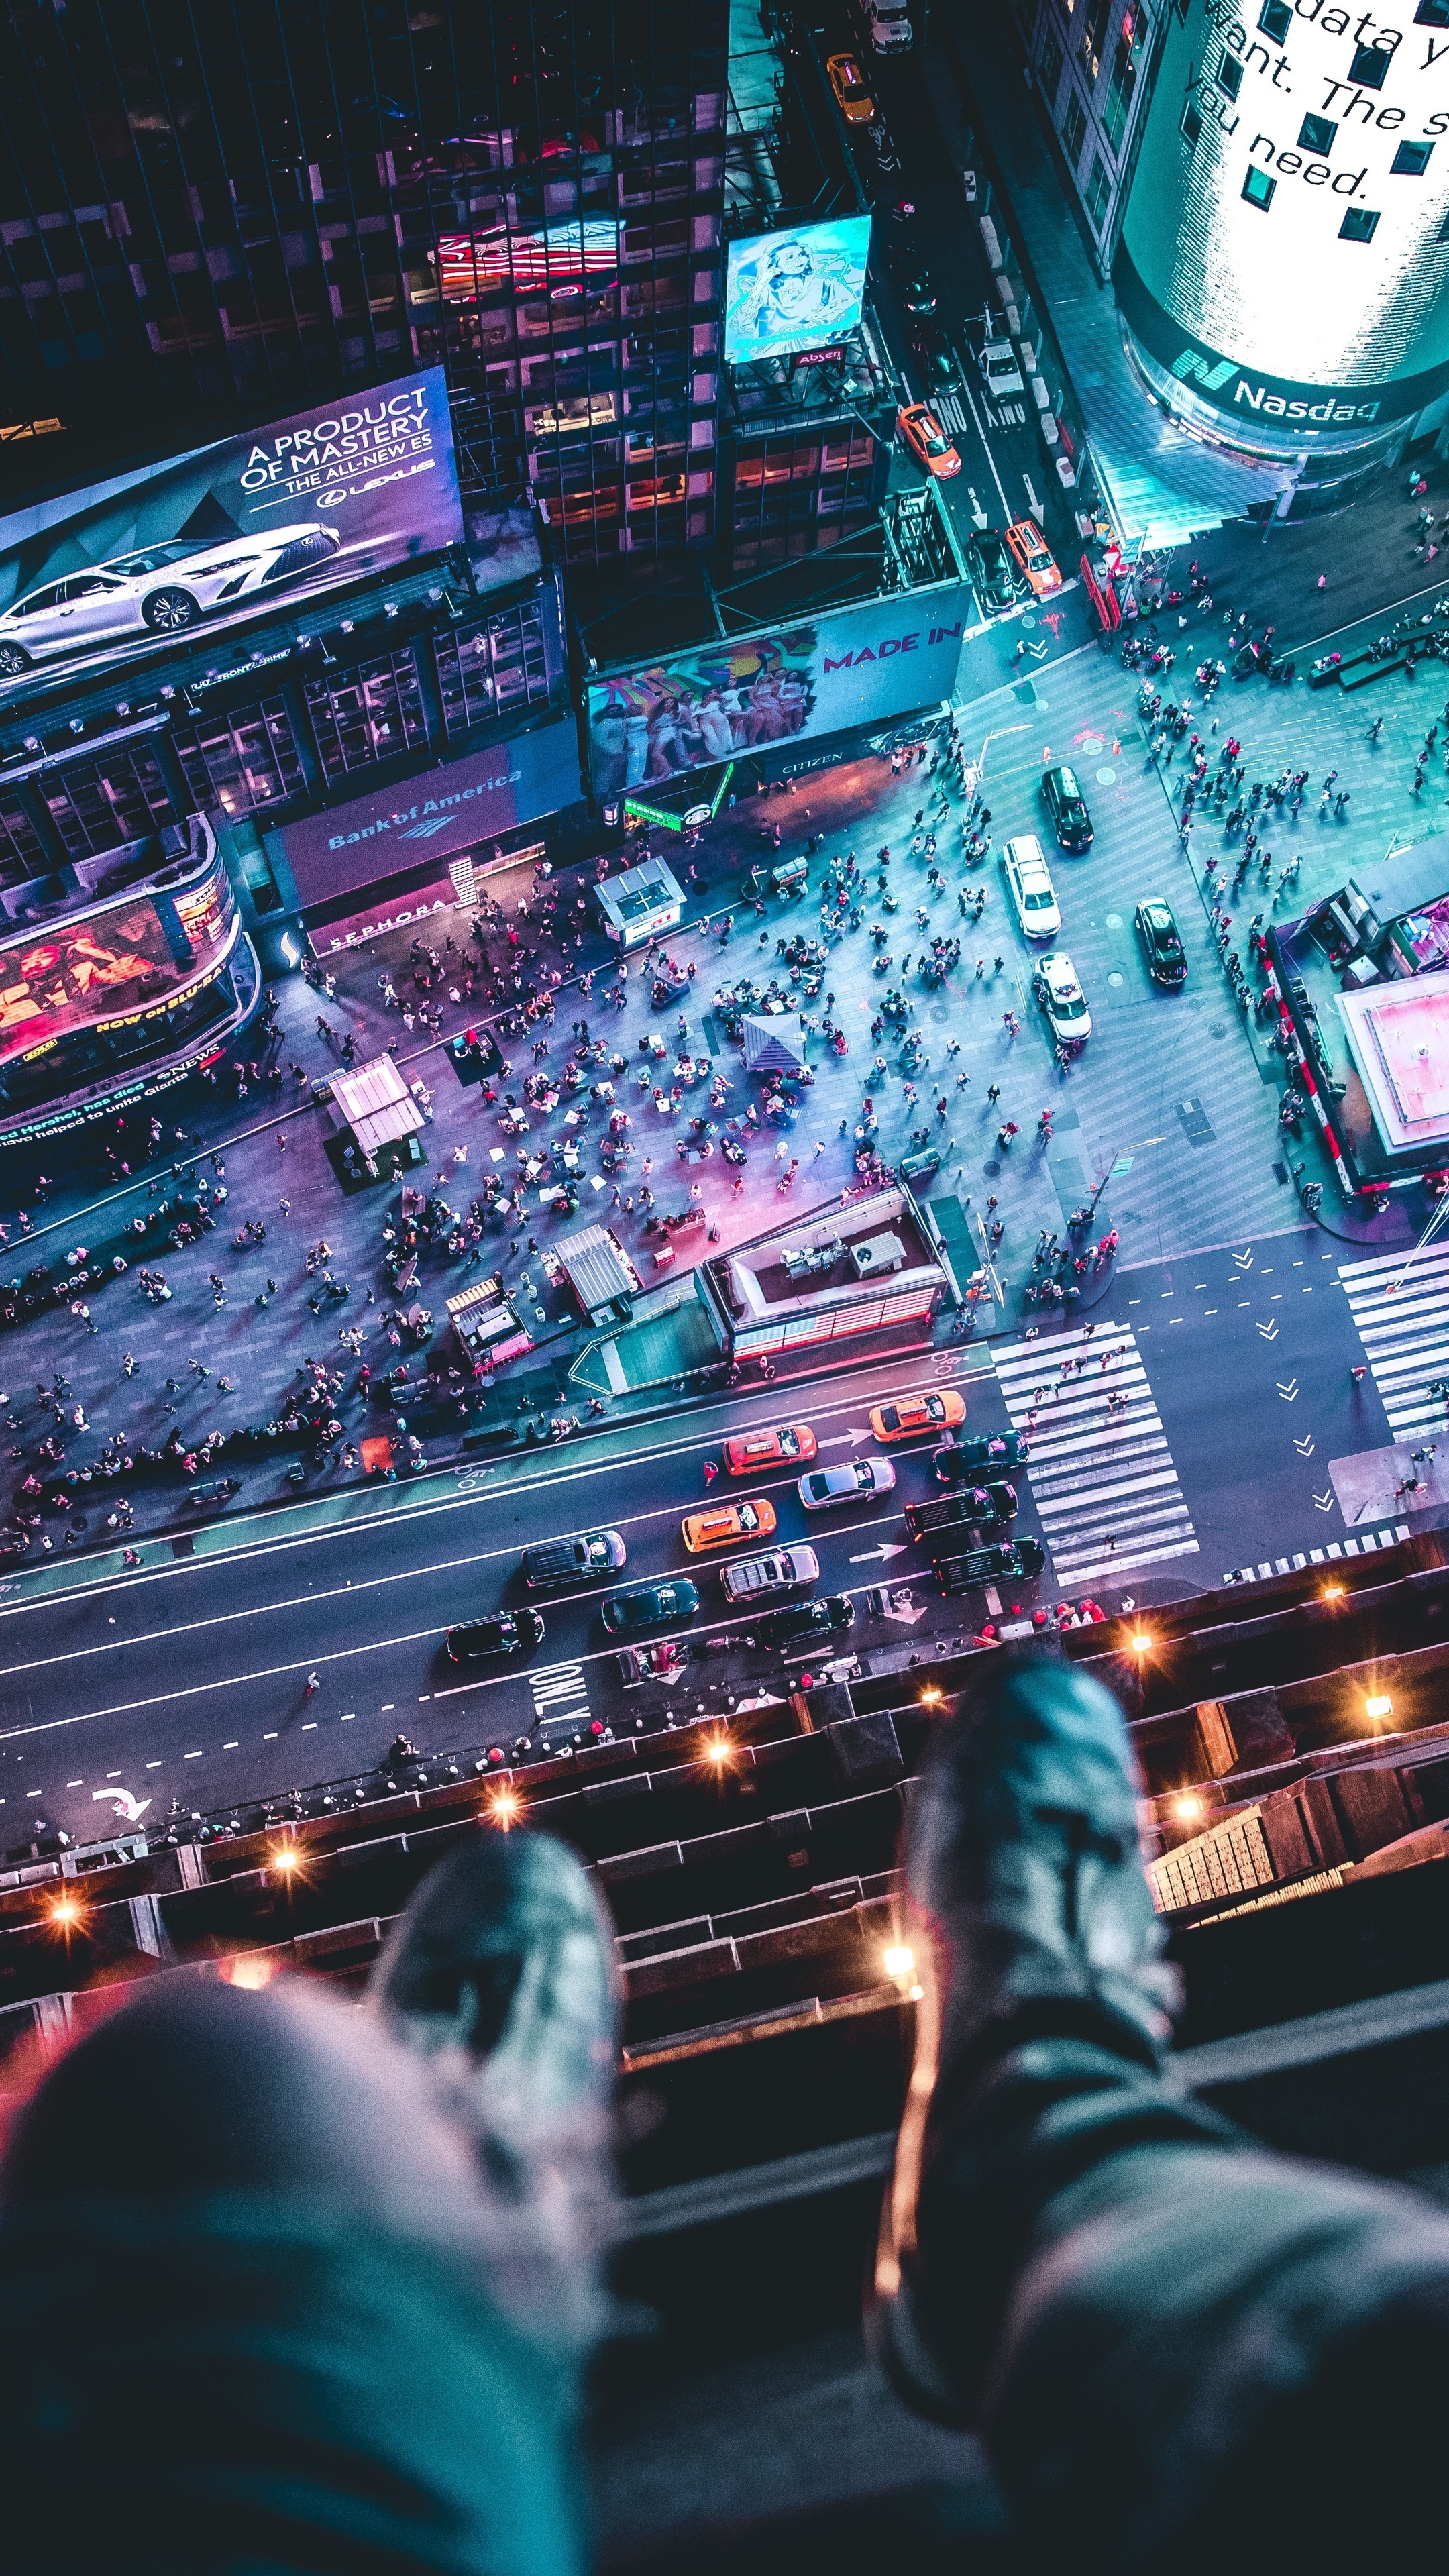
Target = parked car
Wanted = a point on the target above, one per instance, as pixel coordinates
(1000, 373)
(784, 1570)
(726, 1522)
(924, 435)
(851, 91)
(503, 1632)
(574, 1560)
(889, 25)
(1019, 1556)
(156, 590)
(1034, 556)
(785, 1444)
(1060, 995)
(856, 1482)
(1161, 942)
(1029, 884)
(1067, 807)
(624, 1613)
(938, 360)
(993, 1450)
(936, 1408)
(996, 576)
(803, 1621)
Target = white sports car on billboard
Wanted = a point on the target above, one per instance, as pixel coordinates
(157, 590)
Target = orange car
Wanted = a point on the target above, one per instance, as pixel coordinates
(1034, 556)
(934, 1409)
(922, 431)
(727, 1522)
(786, 1445)
(849, 84)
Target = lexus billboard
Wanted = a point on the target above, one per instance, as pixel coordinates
(107, 574)
(752, 693)
(1284, 258)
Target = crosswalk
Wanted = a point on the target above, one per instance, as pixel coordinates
(1400, 1304)
(1103, 1481)
(1366, 1543)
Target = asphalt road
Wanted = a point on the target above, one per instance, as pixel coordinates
(1242, 1440)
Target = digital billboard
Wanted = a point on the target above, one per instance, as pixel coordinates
(560, 258)
(751, 693)
(1284, 257)
(107, 574)
(794, 290)
(115, 964)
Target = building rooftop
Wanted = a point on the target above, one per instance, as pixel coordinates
(810, 1267)
(1398, 1035)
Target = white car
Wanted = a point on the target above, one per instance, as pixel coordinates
(156, 590)
(889, 25)
(999, 371)
(751, 1578)
(1060, 995)
(1029, 884)
(855, 1483)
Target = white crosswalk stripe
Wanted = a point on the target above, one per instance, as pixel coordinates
(1367, 1543)
(1400, 1304)
(1103, 1482)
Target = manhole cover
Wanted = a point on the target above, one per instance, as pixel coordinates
(1114, 921)
(1115, 981)
(1029, 623)
(1106, 777)
(992, 1171)
(1217, 1028)
(940, 1011)
(1196, 1004)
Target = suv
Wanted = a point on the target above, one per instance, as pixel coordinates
(1029, 884)
(995, 575)
(504, 1632)
(574, 1560)
(1023, 1556)
(939, 363)
(804, 1621)
(1161, 942)
(1000, 373)
(888, 23)
(782, 1571)
(1067, 807)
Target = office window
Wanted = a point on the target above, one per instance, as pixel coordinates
(1358, 225)
(1114, 115)
(1443, 232)
(1258, 187)
(1275, 18)
(1370, 66)
(1316, 134)
(1411, 160)
(1074, 129)
(1432, 13)
(1051, 69)
(1099, 188)
(1192, 120)
(243, 759)
(1230, 74)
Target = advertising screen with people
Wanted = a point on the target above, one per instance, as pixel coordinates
(751, 693)
(271, 518)
(795, 290)
(135, 955)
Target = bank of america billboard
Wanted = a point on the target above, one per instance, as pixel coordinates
(1284, 253)
(752, 693)
(799, 289)
(109, 574)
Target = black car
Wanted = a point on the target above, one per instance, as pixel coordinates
(625, 1613)
(992, 1450)
(803, 1621)
(506, 1632)
(996, 576)
(1067, 807)
(1161, 942)
(1023, 1556)
(938, 360)
(574, 1560)
(913, 280)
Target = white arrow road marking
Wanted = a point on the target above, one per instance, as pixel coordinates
(904, 1611)
(125, 1804)
(1304, 1446)
(881, 1552)
(1243, 1260)
(838, 1437)
(857, 1436)
(1269, 1332)
(1323, 1502)
(1289, 1393)
(977, 513)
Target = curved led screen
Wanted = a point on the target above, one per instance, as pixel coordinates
(1285, 252)
(124, 961)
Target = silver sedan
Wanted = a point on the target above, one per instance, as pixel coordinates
(824, 1487)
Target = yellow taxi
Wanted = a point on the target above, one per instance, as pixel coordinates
(784, 1444)
(849, 84)
(922, 432)
(753, 1518)
(909, 1417)
(1034, 557)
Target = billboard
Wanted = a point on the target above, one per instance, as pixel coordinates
(106, 575)
(752, 693)
(552, 258)
(794, 290)
(357, 845)
(121, 963)
(1284, 256)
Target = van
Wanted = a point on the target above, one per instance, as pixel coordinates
(1029, 884)
(888, 24)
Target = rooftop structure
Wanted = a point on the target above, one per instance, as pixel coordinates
(868, 1267)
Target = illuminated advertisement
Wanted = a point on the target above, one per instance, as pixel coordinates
(753, 693)
(128, 961)
(376, 836)
(107, 574)
(555, 258)
(1285, 253)
(795, 290)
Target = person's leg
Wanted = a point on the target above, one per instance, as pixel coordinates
(1135, 2304)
